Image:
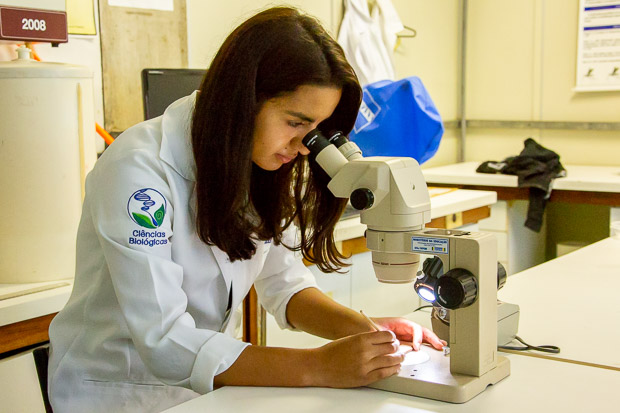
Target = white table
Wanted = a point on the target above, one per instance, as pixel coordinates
(572, 302)
(579, 177)
(584, 184)
(535, 385)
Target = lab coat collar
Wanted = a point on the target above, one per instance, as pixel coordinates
(176, 144)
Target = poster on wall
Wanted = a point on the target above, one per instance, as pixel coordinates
(598, 49)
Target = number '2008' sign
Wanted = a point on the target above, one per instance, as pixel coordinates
(34, 24)
(23, 24)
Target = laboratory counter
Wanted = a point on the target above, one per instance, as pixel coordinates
(572, 302)
(568, 302)
(534, 385)
(599, 185)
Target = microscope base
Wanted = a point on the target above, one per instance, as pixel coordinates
(433, 380)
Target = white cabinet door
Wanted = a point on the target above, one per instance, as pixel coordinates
(19, 385)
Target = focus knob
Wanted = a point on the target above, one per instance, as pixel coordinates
(362, 198)
(457, 288)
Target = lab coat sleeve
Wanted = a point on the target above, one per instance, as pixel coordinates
(284, 275)
(148, 283)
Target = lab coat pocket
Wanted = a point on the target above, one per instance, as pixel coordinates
(123, 384)
(128, 396)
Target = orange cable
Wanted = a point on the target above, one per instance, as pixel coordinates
(104, 134)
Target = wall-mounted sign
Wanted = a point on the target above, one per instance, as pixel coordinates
(33, 25)
(598, 49)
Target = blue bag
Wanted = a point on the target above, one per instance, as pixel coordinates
(398, 118)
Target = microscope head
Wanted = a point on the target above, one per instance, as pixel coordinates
(389, 192)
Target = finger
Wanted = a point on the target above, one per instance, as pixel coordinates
(382, 373)
(386, 360)
(418, 336)
(432, 339)
(384, 348)
(379, 337)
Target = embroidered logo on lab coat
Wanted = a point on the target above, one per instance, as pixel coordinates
(147, 208)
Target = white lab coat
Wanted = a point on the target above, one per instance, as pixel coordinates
(141, 331)
(368, 39)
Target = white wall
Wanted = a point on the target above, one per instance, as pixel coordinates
(521, 65)
(209, 22)
(433, 55)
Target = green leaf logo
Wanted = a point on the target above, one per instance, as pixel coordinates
(143, 220)
(159, 215)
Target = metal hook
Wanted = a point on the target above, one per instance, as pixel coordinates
(411, 30)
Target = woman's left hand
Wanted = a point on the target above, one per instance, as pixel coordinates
(408, 331)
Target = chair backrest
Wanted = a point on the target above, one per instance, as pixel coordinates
(41, 358)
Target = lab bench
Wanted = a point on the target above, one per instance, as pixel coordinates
(572, 302)
(569, 302)
(520, 248)
(534, 385)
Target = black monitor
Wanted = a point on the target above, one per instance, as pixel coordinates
(161, 87)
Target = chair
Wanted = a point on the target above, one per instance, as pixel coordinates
(41, 357)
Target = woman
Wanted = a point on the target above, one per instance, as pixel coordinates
(183, 213)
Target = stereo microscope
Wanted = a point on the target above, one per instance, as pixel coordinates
(393, 200)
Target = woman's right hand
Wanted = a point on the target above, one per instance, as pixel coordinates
(358, 360)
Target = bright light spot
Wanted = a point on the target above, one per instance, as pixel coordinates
(426, 294)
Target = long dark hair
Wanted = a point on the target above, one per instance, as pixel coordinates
(271, 54)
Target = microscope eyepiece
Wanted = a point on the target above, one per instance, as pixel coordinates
(337, 138)
(315, 141)
(324, 152)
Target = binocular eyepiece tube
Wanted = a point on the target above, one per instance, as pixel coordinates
(331, 153)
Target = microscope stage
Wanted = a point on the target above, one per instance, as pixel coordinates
(432, 379)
